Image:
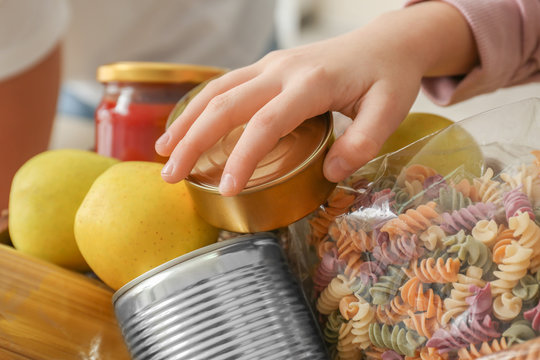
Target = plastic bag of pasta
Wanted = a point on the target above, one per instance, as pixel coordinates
(433, 252)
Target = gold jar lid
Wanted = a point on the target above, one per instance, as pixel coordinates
(156, 72)
(289, 156)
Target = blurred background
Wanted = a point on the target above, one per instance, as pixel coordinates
(304, 21)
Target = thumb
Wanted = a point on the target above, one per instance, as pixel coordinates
(379, 115)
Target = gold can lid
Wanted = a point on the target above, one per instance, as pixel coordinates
(291, 154)
(156, 72)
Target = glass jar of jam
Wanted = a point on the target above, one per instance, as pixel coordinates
(136, 103)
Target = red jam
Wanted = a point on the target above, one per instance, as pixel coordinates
(137, 100)
(131, 117)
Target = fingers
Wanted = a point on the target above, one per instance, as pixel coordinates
(379, 115)
(276, 119)
(167, 142)
(223, 113)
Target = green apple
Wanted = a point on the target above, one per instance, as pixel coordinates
(132, 221)
(44, 197)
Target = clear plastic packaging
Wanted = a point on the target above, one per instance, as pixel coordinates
(432, 252)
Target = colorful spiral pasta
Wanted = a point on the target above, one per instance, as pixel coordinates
(368, 272)
(451, 199)
(529, 236)
(350, 237)
(504, 238)
(464, 333)
(428, 354)
(506, 306)
(346, 349)
(433, 185)
(526, 180)
(399, 251)
(412, 293)
(361, 321)
(434, 271)
(528, 290)
(329, 299)
(402, 341)
(432, 237)
(388, 286)
(516, 202)
(486, 232)
(514, 266)
(413, 221)
(416, 172)
(337, 204)
(489, 190)
(457, 303)
(466, 218)
(519, 332)
(327, 269)
(392, 313)
(348, 306)
(331, 329)
(432, 267)
(468, 190)
(423, 324)
(469, 250)
(533, 315)
(474, 352)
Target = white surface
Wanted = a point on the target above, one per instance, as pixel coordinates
(331, 17)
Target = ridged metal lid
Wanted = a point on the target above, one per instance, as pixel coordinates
(289, 156)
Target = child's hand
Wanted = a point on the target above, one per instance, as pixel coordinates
(372, 75)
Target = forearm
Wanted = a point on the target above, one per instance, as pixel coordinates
(28, 107)
(434, 35)
(506, 34)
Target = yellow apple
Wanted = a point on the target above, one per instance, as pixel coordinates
(132, 221)
(414, 127)
(452, 149)
(44, 197)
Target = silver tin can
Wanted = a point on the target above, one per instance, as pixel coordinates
(235, 299)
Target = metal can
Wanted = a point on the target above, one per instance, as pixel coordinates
(235, 299)
(137, 100)
(287, 184)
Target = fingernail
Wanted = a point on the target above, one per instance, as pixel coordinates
(167, 169)
(337, 168)
(163, 139)
(227, 184)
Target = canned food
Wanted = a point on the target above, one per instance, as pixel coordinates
(231, 300)
(287, 184)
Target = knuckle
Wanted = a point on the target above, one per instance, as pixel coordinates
(315, 76)
(273, 56)
(213, 85)
(363, 145)
(263, 120)
(220, 103)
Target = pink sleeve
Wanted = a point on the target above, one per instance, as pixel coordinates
(507, 34)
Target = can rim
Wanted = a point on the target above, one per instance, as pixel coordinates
(319, 151)
(189, 256)
(156, 72)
